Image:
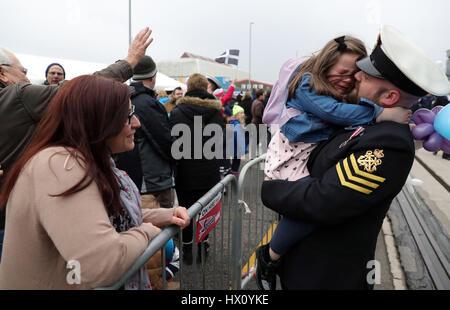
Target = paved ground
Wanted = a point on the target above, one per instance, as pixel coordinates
(428, 170)
(381, 255)
(430, 176)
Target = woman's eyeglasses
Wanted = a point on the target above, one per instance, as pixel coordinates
(130, 115)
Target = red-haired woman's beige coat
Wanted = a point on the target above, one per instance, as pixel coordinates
(44, 233)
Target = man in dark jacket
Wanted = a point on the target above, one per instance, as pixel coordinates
(354, 177)
(150, 164)
(197, 173)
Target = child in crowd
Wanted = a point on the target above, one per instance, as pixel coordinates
(319, 90)
(236, 145)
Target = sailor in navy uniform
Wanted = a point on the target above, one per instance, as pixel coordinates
(355, 174)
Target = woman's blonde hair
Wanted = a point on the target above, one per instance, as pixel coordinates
(247, 95)
(318, 65)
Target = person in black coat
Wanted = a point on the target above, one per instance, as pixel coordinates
(150, 164)
(354, 177)
(196, 174)
(246, 103)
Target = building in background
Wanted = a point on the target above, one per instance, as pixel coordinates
(180, 69)
(244, 85)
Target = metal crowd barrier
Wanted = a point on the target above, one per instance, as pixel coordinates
(255, 225)
(218, 256)
(244, 225)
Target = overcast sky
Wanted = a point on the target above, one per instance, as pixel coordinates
(97, 30)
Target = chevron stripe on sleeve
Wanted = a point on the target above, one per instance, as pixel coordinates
(351, 176)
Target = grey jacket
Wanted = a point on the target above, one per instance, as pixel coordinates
(21, 107)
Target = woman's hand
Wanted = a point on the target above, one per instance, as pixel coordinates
(1, 171)
(180, 217)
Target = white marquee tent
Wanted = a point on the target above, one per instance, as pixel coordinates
(36, 66)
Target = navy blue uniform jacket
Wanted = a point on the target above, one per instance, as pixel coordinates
(347, 198)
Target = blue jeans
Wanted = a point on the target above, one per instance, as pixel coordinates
(289, 232)
(2, 233)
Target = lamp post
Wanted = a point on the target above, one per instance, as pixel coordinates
(129, 22)
(250, 56)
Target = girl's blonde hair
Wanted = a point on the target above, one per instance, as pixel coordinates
(318, 65)
(241, 118)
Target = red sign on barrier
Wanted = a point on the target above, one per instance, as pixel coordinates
(209, 217)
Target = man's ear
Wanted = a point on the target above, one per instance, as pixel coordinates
(3, 77)
(389, 98)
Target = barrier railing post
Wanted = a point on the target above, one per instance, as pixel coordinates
(237, 242)
(236, 238)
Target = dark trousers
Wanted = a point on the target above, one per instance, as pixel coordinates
(235, 164)
(165, 197)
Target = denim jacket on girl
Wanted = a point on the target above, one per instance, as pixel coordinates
(310, 126)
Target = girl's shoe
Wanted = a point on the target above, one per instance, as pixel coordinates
(266, 269)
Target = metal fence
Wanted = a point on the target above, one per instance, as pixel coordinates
(244, 224)
(255, 224)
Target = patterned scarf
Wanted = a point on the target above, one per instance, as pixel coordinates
(130, 216)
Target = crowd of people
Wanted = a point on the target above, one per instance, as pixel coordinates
(124, 176)
(93, 159)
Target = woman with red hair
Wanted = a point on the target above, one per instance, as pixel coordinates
(67, 203)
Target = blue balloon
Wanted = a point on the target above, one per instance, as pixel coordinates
(442, 122)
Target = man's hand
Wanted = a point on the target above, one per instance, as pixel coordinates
(180, 217)
(1, 171)
(138, 46)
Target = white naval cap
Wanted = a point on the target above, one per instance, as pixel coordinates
(401, 62)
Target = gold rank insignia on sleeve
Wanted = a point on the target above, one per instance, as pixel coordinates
(371, 160)
(351, 176)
